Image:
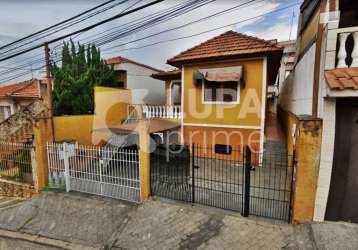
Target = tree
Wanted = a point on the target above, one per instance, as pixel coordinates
(81, 70)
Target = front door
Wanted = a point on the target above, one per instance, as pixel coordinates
(343, 199)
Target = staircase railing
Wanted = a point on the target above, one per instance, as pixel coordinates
(18, 127)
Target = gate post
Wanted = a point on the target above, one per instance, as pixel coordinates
(34, 170)
(144, 159)
(247, 172)
(193, 174)
(67, 167)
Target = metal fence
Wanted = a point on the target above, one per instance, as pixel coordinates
(271, 180)
(257, 184)
(16, 162)
(107, 171)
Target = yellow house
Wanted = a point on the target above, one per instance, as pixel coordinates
(221, 87)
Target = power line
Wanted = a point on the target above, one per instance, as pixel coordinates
(65, 26)
(83, 29)
(58, 58)
(190, 23)
(162, 13)
(56, 25)
(200, 33)
(155, 19)
(128, 8)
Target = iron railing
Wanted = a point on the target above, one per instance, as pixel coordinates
(107, 171)
(16, 162)
(257, 184)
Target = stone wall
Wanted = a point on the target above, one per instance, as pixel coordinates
(15, 189)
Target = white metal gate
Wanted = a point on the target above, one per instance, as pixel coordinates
(108, 171)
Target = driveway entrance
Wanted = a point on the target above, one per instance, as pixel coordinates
(238, 180)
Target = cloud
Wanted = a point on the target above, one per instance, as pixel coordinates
(280, 31)
(42, 13)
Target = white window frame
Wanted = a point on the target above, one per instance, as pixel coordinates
(219, 102)
(10, 111)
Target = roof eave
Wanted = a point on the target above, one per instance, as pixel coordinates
(180, 63)
(166, 77)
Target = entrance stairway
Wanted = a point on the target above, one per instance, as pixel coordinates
(18, 127)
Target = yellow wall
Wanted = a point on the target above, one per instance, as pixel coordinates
(111, 108)
(42, 134)
(74, 128)
(289, 123)
(211, 113)
(307, 149)
(111, 105)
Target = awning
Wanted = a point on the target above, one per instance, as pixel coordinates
(227, 74)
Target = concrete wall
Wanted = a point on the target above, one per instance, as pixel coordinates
(74, 128)
(304, 141)
(289, 123)
(139, 78)
(111, 108)
(305, 39)
(198, 112)
(297, 90)
(326, 161)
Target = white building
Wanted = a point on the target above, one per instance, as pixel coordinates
(324, 85)
(137, 76)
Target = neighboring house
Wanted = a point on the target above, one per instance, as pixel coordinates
(287, 62)
(172, 85)
(324, 84)
(17, 95)
(136, 76)
(216, 83)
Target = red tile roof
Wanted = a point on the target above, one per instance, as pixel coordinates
(342, 78)
(120, 60)
(168, 75)
(229, 44)
(26, 89)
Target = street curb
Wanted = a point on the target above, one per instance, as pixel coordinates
(42, 241)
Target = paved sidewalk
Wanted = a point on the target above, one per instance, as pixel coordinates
(13, 240)
(69, 217)
(163, 225)
(80, 221)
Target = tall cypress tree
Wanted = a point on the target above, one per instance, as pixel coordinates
(81, 70)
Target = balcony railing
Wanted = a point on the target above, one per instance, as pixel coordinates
(342, 52)
(157, 111)
(342, 48)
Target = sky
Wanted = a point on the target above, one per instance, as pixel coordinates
(19, 18)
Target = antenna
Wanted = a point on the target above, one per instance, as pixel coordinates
(291, 25)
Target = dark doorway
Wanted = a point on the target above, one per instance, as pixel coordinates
(343, 199)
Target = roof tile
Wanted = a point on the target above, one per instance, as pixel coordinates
(342, 78)
(227, 44)
(120, 60)
(26, 89)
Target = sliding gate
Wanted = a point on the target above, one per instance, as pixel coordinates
(106, 171)
(246, 182)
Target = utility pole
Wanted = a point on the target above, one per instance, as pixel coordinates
(48, 81)
(49, 91)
